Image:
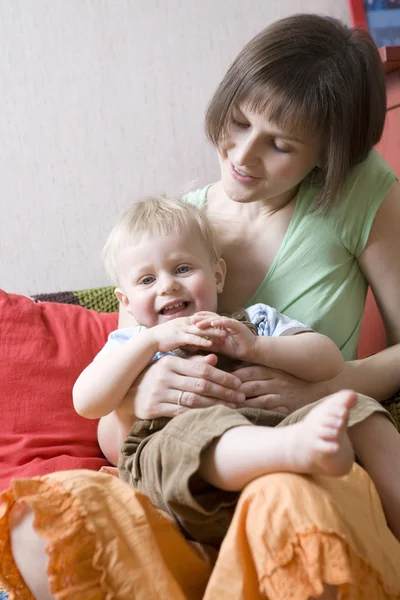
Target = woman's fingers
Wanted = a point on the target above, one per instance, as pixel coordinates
(260, 387)
(200, 370)
(197, 389)
(208, 359)
(257, 381)
(203, 384)
(255, 373)
(277, 390)
(269, 402)
(194, 382)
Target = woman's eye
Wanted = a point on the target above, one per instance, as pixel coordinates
(147, 280)
(241, 124)
(182, 269)
(279, 148)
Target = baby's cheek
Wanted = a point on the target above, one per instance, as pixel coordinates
(211, 303)
(206, 297)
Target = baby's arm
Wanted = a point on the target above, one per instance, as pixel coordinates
(101, 387)
(307, 355)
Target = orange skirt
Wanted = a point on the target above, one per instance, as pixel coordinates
(290, 534)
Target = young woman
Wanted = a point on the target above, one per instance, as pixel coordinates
(309, 216)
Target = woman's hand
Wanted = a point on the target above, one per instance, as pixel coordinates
(173, 385)
(273, 389)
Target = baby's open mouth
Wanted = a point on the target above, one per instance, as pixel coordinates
(172, 308)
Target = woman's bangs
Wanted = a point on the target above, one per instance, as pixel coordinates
(297, 113)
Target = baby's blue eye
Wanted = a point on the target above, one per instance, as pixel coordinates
(182, 269)
(147, 280)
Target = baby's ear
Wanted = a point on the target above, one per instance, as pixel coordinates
(124, 300)
(220, 274)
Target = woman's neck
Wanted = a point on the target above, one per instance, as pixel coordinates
(220, 204)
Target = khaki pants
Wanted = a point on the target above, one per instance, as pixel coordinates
(161, 458)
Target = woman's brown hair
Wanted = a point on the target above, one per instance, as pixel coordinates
(315, 74)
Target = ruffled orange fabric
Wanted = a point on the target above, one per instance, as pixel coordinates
(105, 542)
(315, 558)
(292, 534)
(10, 579)
(311, 560)
(74, 553)
(289, 535)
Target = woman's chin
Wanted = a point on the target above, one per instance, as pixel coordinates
(240, 196)
(238, 192)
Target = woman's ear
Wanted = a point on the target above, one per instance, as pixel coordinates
(220, 274)
(124, 300)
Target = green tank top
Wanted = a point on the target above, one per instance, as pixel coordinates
(315, 277)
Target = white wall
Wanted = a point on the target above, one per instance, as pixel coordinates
(103, 101)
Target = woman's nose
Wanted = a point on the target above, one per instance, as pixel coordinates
(246, 151)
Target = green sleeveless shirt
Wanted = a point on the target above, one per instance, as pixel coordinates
(315, 277)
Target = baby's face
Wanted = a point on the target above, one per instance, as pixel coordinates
(166, 277)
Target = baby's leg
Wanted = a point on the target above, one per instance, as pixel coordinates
(317, 445)
(111, 433)
(377, 443)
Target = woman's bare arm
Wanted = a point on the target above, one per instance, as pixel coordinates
(379, 375)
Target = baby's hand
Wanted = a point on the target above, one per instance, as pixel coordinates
(183, 332)
(203, 315)
(239, 342)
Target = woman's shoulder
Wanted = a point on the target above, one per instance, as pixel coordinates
(362, 194)
(351, 216)
(374, 169)
(197, 197)
(367, 183)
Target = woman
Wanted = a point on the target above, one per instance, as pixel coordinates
(294, 121)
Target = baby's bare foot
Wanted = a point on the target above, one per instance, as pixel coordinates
(321, 444)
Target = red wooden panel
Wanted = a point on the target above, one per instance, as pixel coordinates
(393, 89)
(389, 146)
(390, 56)
(357, 14)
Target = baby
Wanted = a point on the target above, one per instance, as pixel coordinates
(165, 258)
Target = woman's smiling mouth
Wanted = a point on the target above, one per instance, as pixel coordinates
(240, 175)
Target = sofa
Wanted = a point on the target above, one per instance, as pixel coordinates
(45, 342)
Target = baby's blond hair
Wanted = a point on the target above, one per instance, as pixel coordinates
(157, 215)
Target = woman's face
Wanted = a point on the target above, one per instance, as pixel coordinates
(260, 161)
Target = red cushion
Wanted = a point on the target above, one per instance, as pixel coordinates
(43, 348)
(372, 335)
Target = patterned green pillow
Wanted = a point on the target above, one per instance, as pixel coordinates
(101, 299)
